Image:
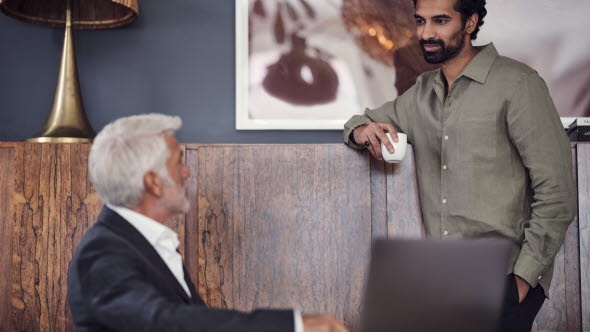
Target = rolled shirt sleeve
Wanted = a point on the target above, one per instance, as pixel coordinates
(536, 131)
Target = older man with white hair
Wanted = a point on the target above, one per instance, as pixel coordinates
(126, 274)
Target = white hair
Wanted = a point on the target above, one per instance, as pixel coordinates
(124, 151)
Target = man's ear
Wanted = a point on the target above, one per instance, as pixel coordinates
(471, 23)
(152, 183)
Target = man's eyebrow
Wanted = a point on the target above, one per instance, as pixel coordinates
(440, 16)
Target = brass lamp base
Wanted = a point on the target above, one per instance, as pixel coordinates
(59, 140)
(67, 121)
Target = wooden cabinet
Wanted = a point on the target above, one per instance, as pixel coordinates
(270, 226)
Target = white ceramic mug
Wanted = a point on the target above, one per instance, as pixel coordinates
(400, 149)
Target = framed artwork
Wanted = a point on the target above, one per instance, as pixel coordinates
(303, 64)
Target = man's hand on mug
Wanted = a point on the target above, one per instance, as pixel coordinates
(375, 133)
(523, 288)
(322, 323)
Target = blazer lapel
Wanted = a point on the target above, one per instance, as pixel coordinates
(122, 227)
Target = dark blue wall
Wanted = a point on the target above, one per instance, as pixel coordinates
(177, 58)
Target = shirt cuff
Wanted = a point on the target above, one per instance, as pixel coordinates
(528, 269)
(298, 321)
(355, 122)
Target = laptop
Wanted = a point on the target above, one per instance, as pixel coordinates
(435, 285)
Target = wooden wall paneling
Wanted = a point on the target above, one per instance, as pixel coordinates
(25, 304)
(85, 201)
(557, 313)
(6, 188)
(584, 229)
(284, 226)
(404, 217)
(270, 225)
(191, 256)
(82, 209)
(552, 315)
(378, 198)
(54, 206)
(55, 189)
(573, 310)
(47, 190)
(572, 268)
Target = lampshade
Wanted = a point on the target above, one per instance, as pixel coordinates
(86, 14)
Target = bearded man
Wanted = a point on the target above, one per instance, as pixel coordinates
(492, 157)
(127, 274)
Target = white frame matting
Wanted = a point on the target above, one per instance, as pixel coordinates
(243, 120)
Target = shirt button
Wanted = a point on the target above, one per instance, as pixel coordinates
(539, 278)
(446, 138)
(446, 233)
(444, 201)
(444, 166)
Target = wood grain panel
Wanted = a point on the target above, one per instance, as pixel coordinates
(572, 267)
(378, 198)
(584, 232)
(6, 187)
(54, 205)
(26, 309)
(552, 315)
(572, 278)
(284, 226)
(191, 256)
(270, 226)
(559, 312)
(404, 217)
(82, 209)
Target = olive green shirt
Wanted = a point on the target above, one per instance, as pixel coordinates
(492, 158)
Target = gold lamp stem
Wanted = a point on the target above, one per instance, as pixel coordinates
(67, 121)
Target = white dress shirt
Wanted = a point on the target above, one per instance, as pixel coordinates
(162, 238)
(165, 242)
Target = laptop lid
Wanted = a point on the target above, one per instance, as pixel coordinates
(435, 285)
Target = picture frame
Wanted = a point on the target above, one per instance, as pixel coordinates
(340, 55)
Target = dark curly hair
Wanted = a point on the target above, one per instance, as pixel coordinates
(468, 8)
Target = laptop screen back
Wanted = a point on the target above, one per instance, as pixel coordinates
(435, 285)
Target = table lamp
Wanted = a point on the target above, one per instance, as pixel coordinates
(67, 121)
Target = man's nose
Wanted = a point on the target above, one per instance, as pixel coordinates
(427, 32)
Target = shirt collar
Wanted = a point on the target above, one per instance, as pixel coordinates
(152, 230)
(479, 67)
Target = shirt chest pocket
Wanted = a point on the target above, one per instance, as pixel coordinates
(477, 139)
